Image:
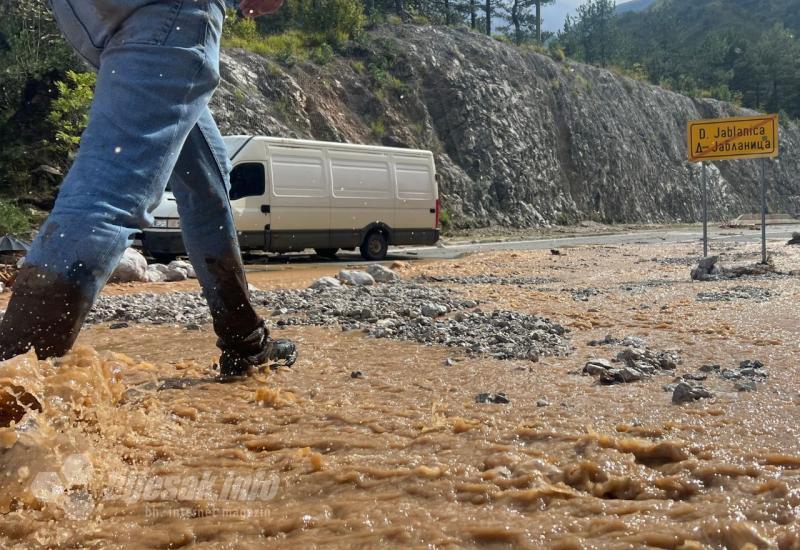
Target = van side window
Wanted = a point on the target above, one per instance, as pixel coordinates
(248, 180)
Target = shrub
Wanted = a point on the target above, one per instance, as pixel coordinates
(323, 54)
(69, 113)
(337, 20)
(13, 219)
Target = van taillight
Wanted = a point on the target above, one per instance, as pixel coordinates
(438, 210)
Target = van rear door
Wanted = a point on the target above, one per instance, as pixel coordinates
(417, 192)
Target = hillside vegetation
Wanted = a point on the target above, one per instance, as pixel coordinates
(745, 51)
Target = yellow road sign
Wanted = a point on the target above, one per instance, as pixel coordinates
(733, 138)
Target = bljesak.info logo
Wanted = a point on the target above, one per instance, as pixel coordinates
(68, 489)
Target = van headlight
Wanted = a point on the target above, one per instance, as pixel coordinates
(174, 223)
(160, 223)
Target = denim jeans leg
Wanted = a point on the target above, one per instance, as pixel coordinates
(200, 184)
(147, 99)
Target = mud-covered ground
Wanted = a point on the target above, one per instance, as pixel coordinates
(492, 436)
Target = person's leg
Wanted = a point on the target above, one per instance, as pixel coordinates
(149, 95)
(201, 186)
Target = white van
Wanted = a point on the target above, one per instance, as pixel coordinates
(290, 195)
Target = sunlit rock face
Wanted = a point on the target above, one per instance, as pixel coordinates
(520, 139)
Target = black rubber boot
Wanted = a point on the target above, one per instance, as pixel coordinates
(46, 312)
(256, 350)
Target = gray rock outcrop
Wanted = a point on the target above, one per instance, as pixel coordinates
(519, 138)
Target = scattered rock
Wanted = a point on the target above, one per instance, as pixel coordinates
(154, 274)
(707, 269)
(607, 341)
(710, 368)
(751, 364)
(326, 282)
(795, 238)
(685, 392)
(397, 264)
(487, 280)
(115, 326)
(132, 268)
(499, 398)
(179, 270)
(620, 376)
(433, 310)
(252, 288)
(382, 274)
(356, 374)
(449, 362)
(2, 287)
(737, 293)
(555, 252)
(356, 278)
(542, 403)
(192, 326)
(745, 386)
(596, 367)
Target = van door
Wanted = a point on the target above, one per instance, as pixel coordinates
(416, 200)
(250, 204)
(300, 198)
(362, 194)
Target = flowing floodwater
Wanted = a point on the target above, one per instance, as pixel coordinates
(135, 445)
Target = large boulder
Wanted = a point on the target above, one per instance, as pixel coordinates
(179, 267)
(356, 278)
(132, 268)
(382, 274)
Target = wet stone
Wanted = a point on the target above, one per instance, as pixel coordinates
(497, 398)
(745, 386)
(685, 392)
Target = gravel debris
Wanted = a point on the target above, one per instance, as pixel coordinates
(383, 311)
(486, 280)
(738, 293)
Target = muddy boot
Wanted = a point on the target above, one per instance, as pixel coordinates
(46, 313)
(257, 349)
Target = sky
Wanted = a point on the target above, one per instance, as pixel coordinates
(554, 14)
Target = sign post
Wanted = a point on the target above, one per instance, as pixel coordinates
(705, 212)
(764, 211)
(736, 138)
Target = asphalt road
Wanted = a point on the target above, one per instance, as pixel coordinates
(453, 250)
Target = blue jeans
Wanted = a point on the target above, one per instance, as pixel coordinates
(158, 66)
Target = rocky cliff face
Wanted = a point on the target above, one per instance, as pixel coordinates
(520, 139)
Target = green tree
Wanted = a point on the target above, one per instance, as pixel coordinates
(69, 113)
(593, 34)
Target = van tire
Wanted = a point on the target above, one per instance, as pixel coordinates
(375, 246)
(327, 253)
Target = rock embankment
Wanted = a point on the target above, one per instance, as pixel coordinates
(520, 139)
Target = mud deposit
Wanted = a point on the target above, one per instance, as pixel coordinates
(377, 439)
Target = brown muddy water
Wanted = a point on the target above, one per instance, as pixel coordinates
(133, 445)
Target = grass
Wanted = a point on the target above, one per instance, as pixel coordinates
(286, 47)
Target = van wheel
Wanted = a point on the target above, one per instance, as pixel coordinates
(328, 253)
(375, 246)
